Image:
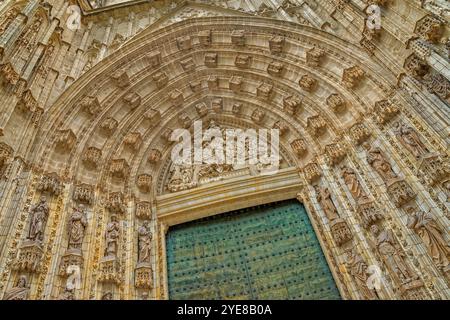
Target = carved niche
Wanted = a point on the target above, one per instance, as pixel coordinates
(161, 79)
(121, 78)
(51, 183)
(91, 105)
(184, 42)
(243, 60)
(314, 56)
(65, 140)
(312, 172)
(235, 83)
(144, 182)
(143, 276)
(238, 37)
(258, 116)
(144, 210)
(115, 203)
(202, 109)
(153, 58)
(92, 157)
(335, 153)
(430, 28)
(385, 110)
(336, 103)
(276, 44)
(291, 104)
(83, 193)
(281, 126)
(109, 125)
(265, 91)
(299, 146)
(119, 168)
(205, 37)
(176, 98)
(352, 76)
(316, 125)
(211, 59)
(275, 68)
(307, 83)
(154, 156)
(133, 140)
(359, 133)
(133, 100)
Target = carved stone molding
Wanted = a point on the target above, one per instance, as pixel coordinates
(237, 108)
(153, 58)
(275, 68)
(415, 66)
(154, 156)
(184, 120)
(195, 85)
(184, 43)
(68, 260)
(434, 168)
(161, 79)
(385, 111)
(258, 116)
(368, 213)
(121, 78)
(282, 127)
(276, 44)
(6, 153)
(110, 271)
(238, 37)
(400, 192)
(29, 257)
(430, 28)
(205, 37)
(188, 64)
(153, 116)
(340, 231)
(176, 98)
(335, 153)
(109, 125)
(213, 82)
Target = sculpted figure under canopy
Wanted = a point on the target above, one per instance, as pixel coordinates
(324, 198)
(378, 161)
(77, 226)
(112, 237)
(145, 238)
(39, 216)
(352, 182)
(19, 292)
(410, 139)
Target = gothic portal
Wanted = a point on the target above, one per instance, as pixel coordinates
(94, 206)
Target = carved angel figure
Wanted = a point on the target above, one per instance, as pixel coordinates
(392, 254)
(39, 216)
(327, 204)
(144, 242)
(20, 291)
(410, 139)
(352, 182)
(431, 234)
(378, 161)
(77, 226)
(112, 237)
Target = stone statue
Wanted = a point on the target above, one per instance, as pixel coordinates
(20, 291)
(410, 139)
(39, 216)
(431, 234)
(378, 161)
(352, 182)
(144, 242)
(112, 237)
(77, 226)
(392, 254)
(358, 269)
(327, 204)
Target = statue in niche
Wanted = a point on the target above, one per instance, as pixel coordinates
(431, 234)
(107, 296)
(39, 216)
(410, 139)
(378, 161)
(112, 237)
(392, 253)
(327, 204)
(358, 269)
(77, 226)
(144, 242)
(352, 182)
(20, 291)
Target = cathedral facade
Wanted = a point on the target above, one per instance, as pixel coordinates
(92, 205)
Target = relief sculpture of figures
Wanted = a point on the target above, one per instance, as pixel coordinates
(378, 161)
(324, 198)
(19, 292)
(392, 254)
(77, 226)
(431, 234)
(358, 269)
(352, 182)
(39, 216)
(112, 237)
(410, 139)
(145, 238)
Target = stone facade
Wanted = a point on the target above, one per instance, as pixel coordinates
(87, 187)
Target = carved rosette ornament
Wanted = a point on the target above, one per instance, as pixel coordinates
(352, 76)
(51, 183)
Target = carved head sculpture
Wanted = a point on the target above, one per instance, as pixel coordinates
(374, 230)
(22, 282)
(43, 199)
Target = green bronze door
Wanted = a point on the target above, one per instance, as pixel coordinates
(265, 252)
